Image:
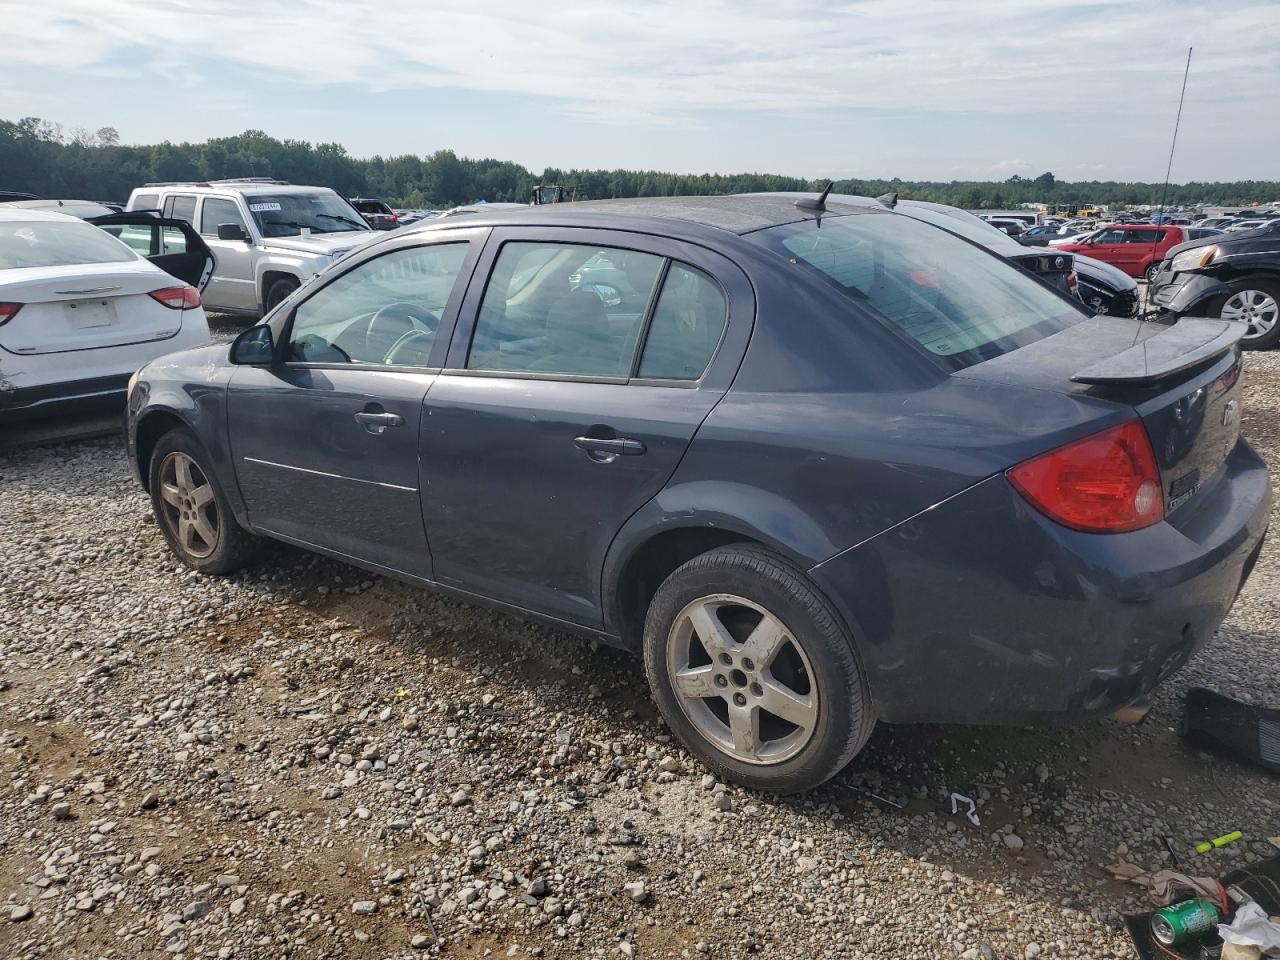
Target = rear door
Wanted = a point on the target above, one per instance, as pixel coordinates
(583, 364)
(325, 439)
(172, 245)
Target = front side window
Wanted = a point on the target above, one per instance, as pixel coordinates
(958, 303)
(288, 214)
(1109, 236)
(45, 243)
(384, 311)
(686, 326)
(563, 308)
(217, 211)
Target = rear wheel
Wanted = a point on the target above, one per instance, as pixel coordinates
(191, 509)
(1152, 269)
(753, 671)
(1255, 301)
(278, 291)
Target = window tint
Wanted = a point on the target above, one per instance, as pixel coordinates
(181, 208)
(146, 201)
(686, 326)
(384, 311)
(1143, 236)
(957, 302)
(216, 212)
(563, 308)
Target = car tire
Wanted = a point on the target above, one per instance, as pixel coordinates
(278, 291)
(191, 508)
(755, 606)
(1255, 300)
(1153, 268)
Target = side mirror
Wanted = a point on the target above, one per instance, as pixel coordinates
(231, 231)
(254, 347)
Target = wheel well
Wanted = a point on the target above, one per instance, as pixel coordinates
(150, 429)
(268, 280)
(652, 564)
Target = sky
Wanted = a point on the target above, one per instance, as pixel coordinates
(917, 89)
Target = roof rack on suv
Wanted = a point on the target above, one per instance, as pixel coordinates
(216, 183)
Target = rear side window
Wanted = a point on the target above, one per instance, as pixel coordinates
(42, 243)
(146, 201)
(958, 303)
(216, 212)
(563, 308)
(181, 208)
(1144, 236)
(686, 326)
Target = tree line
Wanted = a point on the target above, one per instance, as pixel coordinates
(40, 157)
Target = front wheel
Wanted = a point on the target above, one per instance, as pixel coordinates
(1151, 271)
(278, 291)
(191, 509)
(1255, 301)
(754, 672)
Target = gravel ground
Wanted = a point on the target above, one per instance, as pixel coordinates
(303, 761)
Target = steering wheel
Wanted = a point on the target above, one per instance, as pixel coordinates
(391, 322)
(407, 340)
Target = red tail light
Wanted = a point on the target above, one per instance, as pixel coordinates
(8, 311)
(1073, 280)
(1106, 483)
(177, 298)
(393, 217)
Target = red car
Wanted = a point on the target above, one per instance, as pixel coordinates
(1137, 249)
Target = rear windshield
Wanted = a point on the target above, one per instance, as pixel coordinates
(955, 301)
(50, 243)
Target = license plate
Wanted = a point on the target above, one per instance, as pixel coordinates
(84, 314)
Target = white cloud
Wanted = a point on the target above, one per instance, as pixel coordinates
(667, 61)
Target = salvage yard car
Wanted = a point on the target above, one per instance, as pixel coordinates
(80, 310)
(1137, 249)
(837, 467)
(1235, 276)
(269, 236)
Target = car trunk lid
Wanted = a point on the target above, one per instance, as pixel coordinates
(100, 305)
(1183, 381)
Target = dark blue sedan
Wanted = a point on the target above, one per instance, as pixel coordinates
(823, 465)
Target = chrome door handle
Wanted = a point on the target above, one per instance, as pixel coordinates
(376, 423)
(612, 446)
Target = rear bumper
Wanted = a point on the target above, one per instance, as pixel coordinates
(54, 399)
(984, 611)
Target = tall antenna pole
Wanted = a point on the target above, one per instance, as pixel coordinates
(1164, 193)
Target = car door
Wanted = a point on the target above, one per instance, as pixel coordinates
(325, 438)
(1106, 245)
(172, 245)
(583, 363)
(232, 285)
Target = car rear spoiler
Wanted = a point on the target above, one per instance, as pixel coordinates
(1189, 343)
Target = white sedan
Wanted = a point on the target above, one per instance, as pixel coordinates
(81, 309)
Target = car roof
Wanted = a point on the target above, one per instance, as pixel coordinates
(729, 214)
(215, 186)
(83, 209)
(19, 213)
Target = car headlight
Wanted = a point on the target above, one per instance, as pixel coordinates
(1194, 259)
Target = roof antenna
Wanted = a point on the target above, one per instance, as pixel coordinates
(889, 200)
(820, 205)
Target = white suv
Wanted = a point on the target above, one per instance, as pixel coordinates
(269, 237)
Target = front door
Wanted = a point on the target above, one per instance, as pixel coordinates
(579, 373)
(325, 439)
(232, 286)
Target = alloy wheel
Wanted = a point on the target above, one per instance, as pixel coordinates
(1257, 308)
(189, 506)
(743, 679)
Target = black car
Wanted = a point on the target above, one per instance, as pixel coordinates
(377, 213)
(1235, 276)
(833, 466)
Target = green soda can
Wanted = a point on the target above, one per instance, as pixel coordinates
(1181, 922)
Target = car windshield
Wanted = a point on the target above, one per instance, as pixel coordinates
(49, 243)
(956, 302)
(288, 214)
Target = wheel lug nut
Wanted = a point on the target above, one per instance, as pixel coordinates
(739, 699)
(748, 664)
(757, 690)
(721, 681)
(726, 659)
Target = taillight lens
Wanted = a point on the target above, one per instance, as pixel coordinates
(8, 311)
(177, 298)
(393, 217)
(1106, 483)
(1073, 280)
